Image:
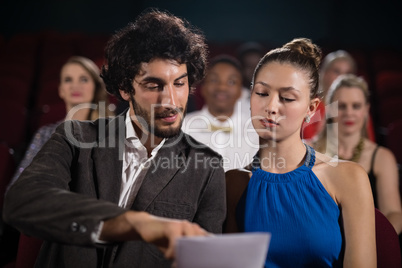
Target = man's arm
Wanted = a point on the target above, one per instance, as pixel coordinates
(41, 204)
(162, 232)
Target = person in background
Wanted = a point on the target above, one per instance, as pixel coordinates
(114, 192)
(221, 124)
(346, 137)
(334, 64)
(320, 211)
(80, 84)
(249, 53)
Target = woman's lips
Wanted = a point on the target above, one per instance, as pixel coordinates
(76, 94)
(348, 123)
(269, 123)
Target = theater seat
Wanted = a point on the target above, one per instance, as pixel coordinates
(388, 250)
(7, 167)
(13, 118)
(393, 139)
(389, 84)
(28, 250)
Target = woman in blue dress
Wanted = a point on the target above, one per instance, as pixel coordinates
(320, 212)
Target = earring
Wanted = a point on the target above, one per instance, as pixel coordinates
(307, 119)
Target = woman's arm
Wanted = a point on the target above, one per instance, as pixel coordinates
(353, 193)
(389, 200)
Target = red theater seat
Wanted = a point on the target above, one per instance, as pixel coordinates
(7, 167)
(394, 139)
(389, 110)
(382, 60)
(388, 249)
(13, 119)
(389, 84)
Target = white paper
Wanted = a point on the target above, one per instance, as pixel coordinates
(242, 250)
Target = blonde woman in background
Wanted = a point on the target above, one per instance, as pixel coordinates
(333, 65)
(345, 136)
(80, 83)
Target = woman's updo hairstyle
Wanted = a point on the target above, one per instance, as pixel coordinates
(302, 54)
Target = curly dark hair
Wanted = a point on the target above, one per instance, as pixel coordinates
(154, 34)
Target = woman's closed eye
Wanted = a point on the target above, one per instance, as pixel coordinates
(287, 99)
(262, 94)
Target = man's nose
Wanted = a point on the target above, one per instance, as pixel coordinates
(169, 96)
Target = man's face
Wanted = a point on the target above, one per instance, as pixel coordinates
(221, 88)
(160, 97)
(335, 69)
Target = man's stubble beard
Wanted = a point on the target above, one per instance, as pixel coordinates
(144, 119)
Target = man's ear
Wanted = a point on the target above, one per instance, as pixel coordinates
(312, 108)
(125, 95)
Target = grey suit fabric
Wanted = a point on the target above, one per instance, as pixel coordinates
(74, 183)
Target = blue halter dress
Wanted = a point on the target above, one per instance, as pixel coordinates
(296, 209)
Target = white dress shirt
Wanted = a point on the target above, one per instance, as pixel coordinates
(235, 138)
(135, 164)
(244, 100)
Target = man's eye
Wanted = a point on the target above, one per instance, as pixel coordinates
(152, 86)
(179, 84)
(213, 81)
(231, 82)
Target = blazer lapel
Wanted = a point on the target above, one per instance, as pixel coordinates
(169, 159)
(107, 158)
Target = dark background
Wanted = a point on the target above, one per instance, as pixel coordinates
(366, 24)
(37, 37)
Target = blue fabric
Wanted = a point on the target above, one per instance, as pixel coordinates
(299, 213)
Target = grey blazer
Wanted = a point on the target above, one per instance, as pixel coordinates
(74, 183)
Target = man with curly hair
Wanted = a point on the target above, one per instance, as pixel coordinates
(98, 191)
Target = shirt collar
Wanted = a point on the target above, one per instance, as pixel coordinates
(131, 135)
(212, 119)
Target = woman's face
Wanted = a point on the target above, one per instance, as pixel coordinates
(280, 101)
(76, 85)
(352, 110)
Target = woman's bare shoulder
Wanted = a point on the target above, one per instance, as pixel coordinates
(340, 174)
(335, 166)
(385, 155)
